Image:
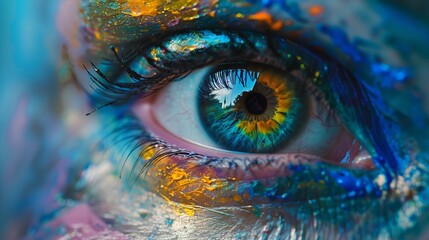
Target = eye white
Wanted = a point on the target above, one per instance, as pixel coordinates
(177, 109)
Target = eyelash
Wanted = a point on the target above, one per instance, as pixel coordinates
(142, 86)
(135, 142)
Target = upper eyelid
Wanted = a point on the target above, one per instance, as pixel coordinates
(104, 44)
(145, 52)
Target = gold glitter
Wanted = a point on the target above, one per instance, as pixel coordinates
(184, 188)
(239, 15)
(155, 7)
(144, 8)
(317, 74)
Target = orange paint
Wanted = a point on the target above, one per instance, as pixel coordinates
(277, 25)
(316, 10)
(266, 17)
(262, 16)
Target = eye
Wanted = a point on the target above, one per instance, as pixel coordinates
(245, 108)
(238, 118)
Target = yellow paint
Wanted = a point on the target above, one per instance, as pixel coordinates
(97, 34)
(239, 15)
(317, 74)
(144, 8)
(148, 153)
(186, 9)
(154, 53)
(184, 188)
(178, 174)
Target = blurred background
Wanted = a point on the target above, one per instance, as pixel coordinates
(29, 126)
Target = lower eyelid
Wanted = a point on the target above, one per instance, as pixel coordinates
(181, 176)
(198, 181)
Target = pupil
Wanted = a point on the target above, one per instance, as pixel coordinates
(256, 103)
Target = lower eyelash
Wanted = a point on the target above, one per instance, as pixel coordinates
(135, 140)
(135, 143)
(147, 152)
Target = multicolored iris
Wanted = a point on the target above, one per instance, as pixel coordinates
(250, 108)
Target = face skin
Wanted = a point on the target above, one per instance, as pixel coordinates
(107, 182)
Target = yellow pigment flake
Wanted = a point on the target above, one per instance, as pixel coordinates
(148, 153)
(156, 7)
(179, 184)
(239, 15)
(317, 74)
(154, 53)
(144, 8)
(176, 7)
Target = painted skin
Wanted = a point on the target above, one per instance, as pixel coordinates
(396, 210)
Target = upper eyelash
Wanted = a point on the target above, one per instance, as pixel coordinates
(142, 86)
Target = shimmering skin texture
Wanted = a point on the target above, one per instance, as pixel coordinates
(388, 203)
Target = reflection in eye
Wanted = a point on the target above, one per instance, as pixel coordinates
(261, 112)
(249, 110)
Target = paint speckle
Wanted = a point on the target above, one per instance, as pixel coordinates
(316, 10)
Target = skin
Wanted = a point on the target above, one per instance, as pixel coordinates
(76, 190)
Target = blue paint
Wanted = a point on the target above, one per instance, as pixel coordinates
(389, 76)
(340, 39)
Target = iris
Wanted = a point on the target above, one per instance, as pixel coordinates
(252, 108)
